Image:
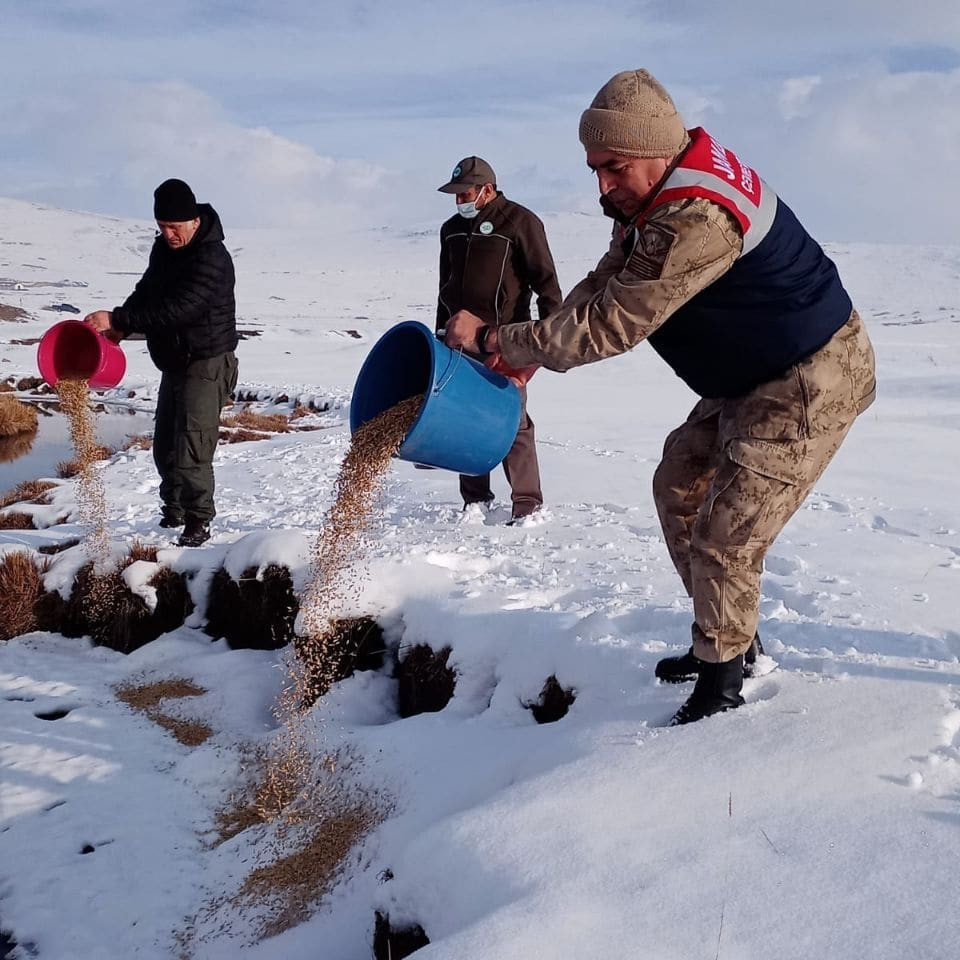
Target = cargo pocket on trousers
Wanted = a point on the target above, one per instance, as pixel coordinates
(196, 447)
(206, 369)
(753, 480)
(786, 460)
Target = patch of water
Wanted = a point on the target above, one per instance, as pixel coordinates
(52, 444)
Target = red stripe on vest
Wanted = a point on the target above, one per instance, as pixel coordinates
(710, 156)
(706, 155)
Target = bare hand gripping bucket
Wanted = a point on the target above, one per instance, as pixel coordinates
(470, 415)
(73, 350)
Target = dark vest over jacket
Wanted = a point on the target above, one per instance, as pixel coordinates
(184, 303)
(781, 300)
(490, 265)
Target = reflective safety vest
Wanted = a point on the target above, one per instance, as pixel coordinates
(780, 301)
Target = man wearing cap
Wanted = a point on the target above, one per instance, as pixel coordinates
(184, 306)
(715, 271)
(493, 256)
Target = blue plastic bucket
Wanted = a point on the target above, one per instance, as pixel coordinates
(470, 415)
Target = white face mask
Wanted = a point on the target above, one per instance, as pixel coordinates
(469, 210)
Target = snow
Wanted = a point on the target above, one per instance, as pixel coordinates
(137, 578)
(818, 820)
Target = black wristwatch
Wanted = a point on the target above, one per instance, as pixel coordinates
(482, 335)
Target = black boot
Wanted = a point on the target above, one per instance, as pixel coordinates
(684, 669)
(717, 689)
(171, 517)
(750, 657)
(678, 669)
(194, 533)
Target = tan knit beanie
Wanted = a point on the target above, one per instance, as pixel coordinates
(633, 115)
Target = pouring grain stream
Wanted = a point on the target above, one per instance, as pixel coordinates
(335, 581)
(75, 402)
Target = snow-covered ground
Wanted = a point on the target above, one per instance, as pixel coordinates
(821, 820)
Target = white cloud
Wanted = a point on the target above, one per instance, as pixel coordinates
(299, 111)
(795, 95)
(123, 141)
(868, 156)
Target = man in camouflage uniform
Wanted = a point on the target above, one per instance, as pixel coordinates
(711, 267)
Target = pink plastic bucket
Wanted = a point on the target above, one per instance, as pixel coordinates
(72, 350)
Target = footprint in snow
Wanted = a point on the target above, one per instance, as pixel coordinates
(757, 690)
(880, 523)
(57, 713)
(782, 566)
(819, 502)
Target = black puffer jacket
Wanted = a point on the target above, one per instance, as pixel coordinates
(184, 303)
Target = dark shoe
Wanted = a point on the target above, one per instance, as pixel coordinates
(171, 518)
(678, 669)
(684, 669)
(195, 533)
(485, 503)
(717, 690)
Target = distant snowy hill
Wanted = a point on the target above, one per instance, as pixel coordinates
(820, 820)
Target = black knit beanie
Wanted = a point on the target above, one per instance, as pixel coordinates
(174, 202)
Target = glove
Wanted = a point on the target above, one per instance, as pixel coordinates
(518, 377)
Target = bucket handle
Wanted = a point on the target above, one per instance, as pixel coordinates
(447, 377)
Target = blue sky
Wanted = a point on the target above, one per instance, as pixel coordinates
(329, 112)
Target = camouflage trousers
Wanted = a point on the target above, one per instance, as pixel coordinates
(735, 472)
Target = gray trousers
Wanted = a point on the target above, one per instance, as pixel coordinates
(186, 433)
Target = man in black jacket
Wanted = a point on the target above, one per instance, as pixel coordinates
(184, 306)
(493, 257)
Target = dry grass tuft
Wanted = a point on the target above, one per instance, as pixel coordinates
(74, 467)
(140, 441)
(102, 607)
(255, 612)
(7, 387)
(553, 703)
(51, 548)
(262, 422)
(21, 586)
(425, 683)
(241, 436)
(16, 417)
(350, 644)
(32, 491)
(301, 410)
(13, 314)
(146, 698)
(395, 943)
(14, 520)
(141, 551)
